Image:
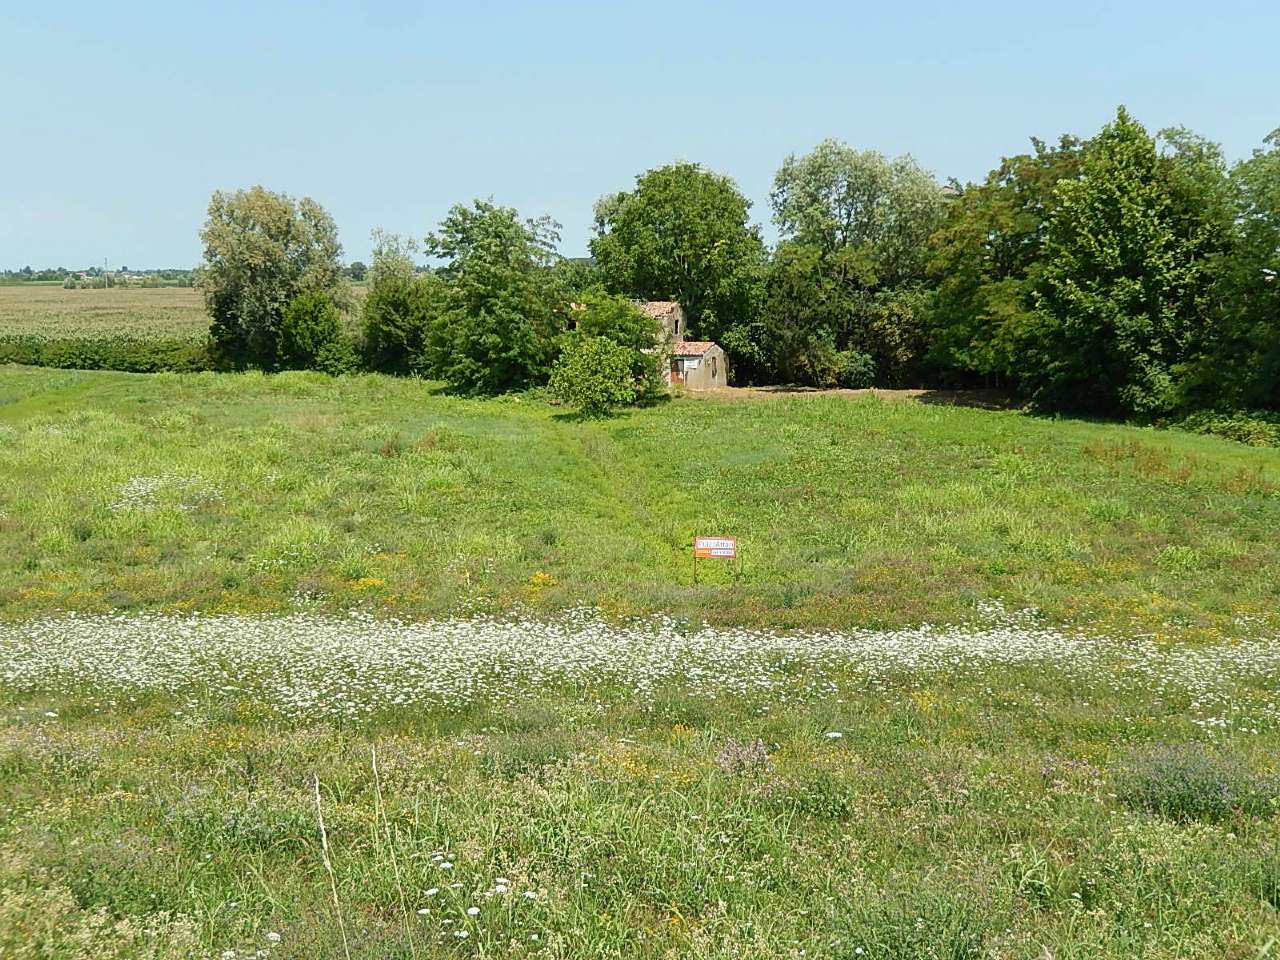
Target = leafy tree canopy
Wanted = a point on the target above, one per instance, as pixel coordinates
(683, 234)
(261, 250)
(1126, 279)
(986, 257)
(501, 313)
(838, 198)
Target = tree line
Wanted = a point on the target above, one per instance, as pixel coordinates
(97, 278)
(1124, 274)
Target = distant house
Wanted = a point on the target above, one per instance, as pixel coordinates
(698, 364)
(695, 364)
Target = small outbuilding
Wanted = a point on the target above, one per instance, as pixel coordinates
(698, 365)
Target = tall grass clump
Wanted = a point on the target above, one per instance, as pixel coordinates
(1190, 782)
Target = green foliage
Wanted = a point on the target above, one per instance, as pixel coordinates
(262, 249)
(684, 234)
(500, 314)
(1191, 782)
(838, 198)
(129, 353)
(602, 314)
(574, 276)
(855, 227)
(399, 309)
(1256, 430)
(1126, 277)
(1241, 365)
(986, 261)
(825, 329)
(593, 375)
(312, 336)
(805, 312)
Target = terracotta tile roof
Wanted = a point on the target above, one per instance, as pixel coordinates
(657, 308)
(691, 348)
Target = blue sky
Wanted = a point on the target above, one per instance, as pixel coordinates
(120, 119)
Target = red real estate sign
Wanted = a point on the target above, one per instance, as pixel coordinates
(722, 547)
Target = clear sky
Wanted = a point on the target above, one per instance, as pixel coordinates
(120, 119)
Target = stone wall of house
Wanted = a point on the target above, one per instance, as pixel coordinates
(710, 372)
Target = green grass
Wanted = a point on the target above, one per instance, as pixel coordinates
(999, 812)
(385, 494)
(972, 817)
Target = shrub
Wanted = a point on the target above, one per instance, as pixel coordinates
(601, 314)
(1190, 782)
(855, 369)
(129, 354)
(1255, 429)
(312, 338)
(399, 308)
(593, 375)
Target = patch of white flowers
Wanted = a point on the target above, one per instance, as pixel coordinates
(351, 667)
(148, 493)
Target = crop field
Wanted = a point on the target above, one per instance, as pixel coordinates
(47, 310)
(296, 667)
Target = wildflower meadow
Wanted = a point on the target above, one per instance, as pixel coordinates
(301, 667)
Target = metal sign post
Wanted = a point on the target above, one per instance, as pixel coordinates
(716, 548)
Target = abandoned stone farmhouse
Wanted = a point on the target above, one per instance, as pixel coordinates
(695, 364)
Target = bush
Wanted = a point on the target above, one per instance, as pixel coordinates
(1255, 429)
(617, 319)
(1191, 782)
(129, 354)
(855, 369)
(593, 375)
(398, 310)
(312, 338)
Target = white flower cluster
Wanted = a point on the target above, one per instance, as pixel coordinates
(352, 667)
(146, 493)
(447, 902)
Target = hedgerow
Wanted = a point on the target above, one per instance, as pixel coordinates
(128, 354)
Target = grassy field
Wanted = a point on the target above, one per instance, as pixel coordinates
(230, 727)
(251, 494)
(47, 310)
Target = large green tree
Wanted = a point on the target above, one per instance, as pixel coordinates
(1240, 368)
(837, 198)
(986, 258)
(867, 219)
(1127, 271)
(684, 233)
(501, 311)
(262, 250)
